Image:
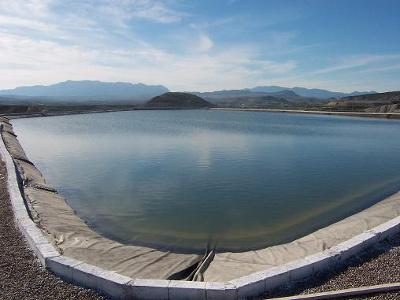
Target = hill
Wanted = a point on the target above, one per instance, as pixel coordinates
(224, 95)
(254, 102)
(378, 102)
(246, 98)
(87, 90)
(178, 100)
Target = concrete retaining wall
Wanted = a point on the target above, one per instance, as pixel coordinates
(122, 287)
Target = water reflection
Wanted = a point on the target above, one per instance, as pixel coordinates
(234, 179)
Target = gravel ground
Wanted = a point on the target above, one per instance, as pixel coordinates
(21, 275)
(387, 296)
(375, 266)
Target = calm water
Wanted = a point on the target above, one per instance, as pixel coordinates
(235, 180)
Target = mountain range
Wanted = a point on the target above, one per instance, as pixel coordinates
(87, 90)
(297, 94)
(230, 96)
(305, 92)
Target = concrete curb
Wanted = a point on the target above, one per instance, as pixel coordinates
(122, 287)
(360, 291)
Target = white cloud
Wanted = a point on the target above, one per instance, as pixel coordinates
(45, 41)
(38, 54)
(384, 68)
(121, 12)
(156, 11)
(22, 22)
(28, 61)
(357, 61)
(76, 41)
(205, 43)
(277, 68)
(25, 8)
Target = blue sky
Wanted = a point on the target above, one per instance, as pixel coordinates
(202, 45)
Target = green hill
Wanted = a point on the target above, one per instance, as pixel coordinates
(178, 100)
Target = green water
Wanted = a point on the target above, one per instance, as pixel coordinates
(234, 180)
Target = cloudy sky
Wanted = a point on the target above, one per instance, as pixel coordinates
(203, 45)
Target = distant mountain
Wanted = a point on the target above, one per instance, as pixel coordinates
(178, 100)
(87, 90)
(305, 92)
(121, 92)
(254, 102)
(226, 96)
(291, 96)
(225, 93)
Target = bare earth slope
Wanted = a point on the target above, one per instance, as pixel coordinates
(379, 102)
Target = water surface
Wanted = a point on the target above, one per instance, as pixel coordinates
(234, 180)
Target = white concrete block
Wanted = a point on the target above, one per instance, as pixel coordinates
(29, 225)
(215, 290)
(22, 217)
(299, 269)
(369, 237)
(220, 291)
(321, 261)
(34, 235)
(110, 283)
(335, 254)
(387, 229)
(184, 290)
(16, 206)
(13, 188)
(113, 284)
(276, 277)
(24, 221)
(250, 285)
(86, 275)
(230, 291)
(355, 245)
(19, 206)
(148, 289)
(44, 251)
(345, 250)
(62, 266)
